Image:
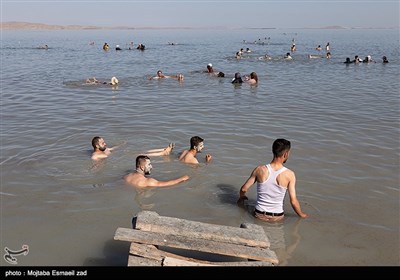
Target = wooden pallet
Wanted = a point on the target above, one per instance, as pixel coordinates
(153, 236)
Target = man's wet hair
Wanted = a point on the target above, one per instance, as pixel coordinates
(280, 146)
(195, 141)
(95, 141)
(140, 159)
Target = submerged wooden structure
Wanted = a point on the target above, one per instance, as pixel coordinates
(153, 237)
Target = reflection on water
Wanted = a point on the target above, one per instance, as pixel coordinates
(141, 196)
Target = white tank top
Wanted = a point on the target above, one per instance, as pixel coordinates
(270, 195)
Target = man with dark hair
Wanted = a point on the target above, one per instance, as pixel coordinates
(143, 167)
(273, 180)
(196, 146)
(100, 149)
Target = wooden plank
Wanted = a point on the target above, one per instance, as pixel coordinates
(139, 261)
(253, 235)
(151, 252)
(182, 242)
(170, 259)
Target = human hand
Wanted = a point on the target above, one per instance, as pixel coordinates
(208, 157)
(242, 199)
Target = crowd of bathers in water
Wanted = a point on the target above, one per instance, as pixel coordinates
(251, 79)
(367, 59)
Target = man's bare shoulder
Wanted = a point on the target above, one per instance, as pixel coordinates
(188, 157)
(261, 168)
(133, 179)
(183, 154)
(288, 173)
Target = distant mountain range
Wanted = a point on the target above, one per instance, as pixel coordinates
(39, 26)
(42, 26)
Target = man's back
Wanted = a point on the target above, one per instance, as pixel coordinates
(136, 179)
(188, 157)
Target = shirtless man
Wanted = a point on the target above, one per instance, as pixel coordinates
(273, 180)
(143, 167)
(160, 75)
(100, 149)
(196, 146)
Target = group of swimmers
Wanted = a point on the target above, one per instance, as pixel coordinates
(251, 79)
(367, 59)
(106, 47)
(143, 163)
(273, 179)
(93, 81)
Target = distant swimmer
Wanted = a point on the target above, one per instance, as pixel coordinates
(160, 75)
(293, 47)
(93, 81)
(44, 47)
(288, 56)
(178, 77)
(327, 47)
(117, 48)
(141, 47)
(357, 59)
(143, 168)
(368, 59)
(210, 68)
(265, 57)
(237, 79)
(253, 79)
(348, 61)
(384, 59)
(106, 47)
(328, 55)
(310, 56)
(318, 48)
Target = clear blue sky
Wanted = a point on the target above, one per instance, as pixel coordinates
(203, 13)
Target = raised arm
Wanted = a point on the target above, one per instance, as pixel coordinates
(155, 183)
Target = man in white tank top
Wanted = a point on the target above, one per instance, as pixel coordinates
(273, 180)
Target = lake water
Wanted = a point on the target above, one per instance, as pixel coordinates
(342, 120)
